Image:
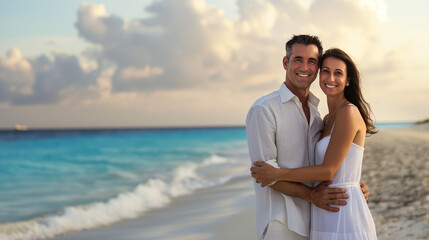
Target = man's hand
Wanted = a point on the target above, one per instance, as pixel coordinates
(322, 196)
(365, 190)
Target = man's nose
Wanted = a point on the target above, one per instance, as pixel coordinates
(304, 66)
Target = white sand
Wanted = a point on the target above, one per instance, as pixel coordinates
(396, 168)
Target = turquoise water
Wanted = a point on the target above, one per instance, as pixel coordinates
(51, 177)
(50, 180)
(392, 125)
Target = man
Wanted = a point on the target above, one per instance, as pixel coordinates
(282, 129)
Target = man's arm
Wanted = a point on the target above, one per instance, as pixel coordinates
(365, 190)
(322, 196)
(261, 135)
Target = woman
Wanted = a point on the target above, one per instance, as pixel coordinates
(339, 152)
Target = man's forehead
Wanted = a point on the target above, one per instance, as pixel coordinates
(310, 49)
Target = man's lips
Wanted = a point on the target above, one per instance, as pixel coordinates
(303, 75)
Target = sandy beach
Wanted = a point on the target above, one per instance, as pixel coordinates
(395, 167)
(396, 164)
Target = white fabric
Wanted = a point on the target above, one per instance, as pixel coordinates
(278, 132)
(354, 220)
(279, 231)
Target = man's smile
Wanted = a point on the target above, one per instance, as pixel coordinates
(303, 75)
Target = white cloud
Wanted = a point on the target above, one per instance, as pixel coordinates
(183, 49)
(257, 17)
(90, 21)
(38, 80)
(16, 76)
(131, 73)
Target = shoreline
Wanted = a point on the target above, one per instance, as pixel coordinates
(201, 215)
(394, 167)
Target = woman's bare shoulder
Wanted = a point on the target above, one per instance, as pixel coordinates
(351, 114)
(348, 110)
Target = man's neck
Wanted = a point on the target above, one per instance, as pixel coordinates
(302, 94)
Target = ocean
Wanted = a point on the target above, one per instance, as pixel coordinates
(59, 181)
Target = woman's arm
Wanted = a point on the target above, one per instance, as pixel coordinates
(347, 123)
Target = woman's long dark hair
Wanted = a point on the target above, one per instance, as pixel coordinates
(353, 92)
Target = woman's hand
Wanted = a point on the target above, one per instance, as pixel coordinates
(264, 173)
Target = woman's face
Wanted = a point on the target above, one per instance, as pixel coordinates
(333, 76)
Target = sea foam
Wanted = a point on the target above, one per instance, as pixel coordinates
(154, 193)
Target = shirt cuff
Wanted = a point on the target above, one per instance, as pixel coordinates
(273, 162)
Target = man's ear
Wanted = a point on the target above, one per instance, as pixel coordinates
(285, 62)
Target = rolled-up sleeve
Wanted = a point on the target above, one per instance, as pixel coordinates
(261, 135)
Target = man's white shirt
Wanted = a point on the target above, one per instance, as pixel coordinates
(278, 133)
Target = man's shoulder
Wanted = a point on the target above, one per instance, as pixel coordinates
(268, 100)
(264, 107)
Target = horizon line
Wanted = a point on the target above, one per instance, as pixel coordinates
(148, 127)
(124, 128)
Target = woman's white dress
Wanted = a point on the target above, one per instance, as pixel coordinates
(354, 220)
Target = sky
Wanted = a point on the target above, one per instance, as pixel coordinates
(163, 63)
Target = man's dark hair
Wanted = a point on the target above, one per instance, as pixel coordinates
(306, 40)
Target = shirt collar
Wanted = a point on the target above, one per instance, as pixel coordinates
(286, 95)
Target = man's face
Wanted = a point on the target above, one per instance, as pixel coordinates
(302, 66)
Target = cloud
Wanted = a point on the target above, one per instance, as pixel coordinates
(192, 44)
(191, 47)
(196, 45)
(16, 76)
(42, 80)
(91, 23)
(131, 73)
(191, 41)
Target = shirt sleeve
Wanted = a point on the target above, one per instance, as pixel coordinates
(261, 135)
